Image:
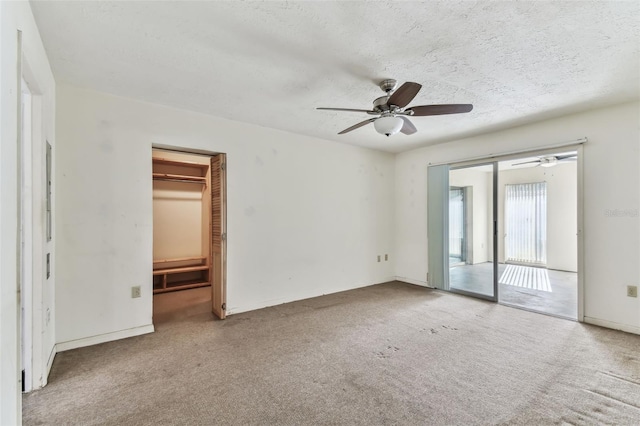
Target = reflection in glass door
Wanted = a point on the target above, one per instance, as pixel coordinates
(472, 230)
(457, 231)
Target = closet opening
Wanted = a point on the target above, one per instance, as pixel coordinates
(189, 235)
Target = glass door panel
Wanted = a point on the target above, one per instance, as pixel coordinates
(472, 221)
(538, 228)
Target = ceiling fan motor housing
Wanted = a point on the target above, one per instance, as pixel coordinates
(388, 85)
(380, 104)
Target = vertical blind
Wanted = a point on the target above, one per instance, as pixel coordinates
(456, 222)
(526, 223)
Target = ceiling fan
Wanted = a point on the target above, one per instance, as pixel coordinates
(551, 160)
(393, 111)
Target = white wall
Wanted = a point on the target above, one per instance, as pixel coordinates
(611, 184)
(482, 194)
(306, 217)
(16, 16)
(562, 214)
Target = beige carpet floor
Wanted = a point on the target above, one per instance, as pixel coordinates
(386, 354)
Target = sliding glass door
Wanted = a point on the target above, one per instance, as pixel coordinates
(535, 212)
(462, 229)
(472, 229)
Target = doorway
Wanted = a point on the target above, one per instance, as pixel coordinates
(508, 230)
(189, 235)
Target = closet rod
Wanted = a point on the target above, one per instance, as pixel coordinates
(180, 180)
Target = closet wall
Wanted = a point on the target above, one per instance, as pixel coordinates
(181, 221)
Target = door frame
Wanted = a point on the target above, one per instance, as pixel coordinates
(211, 154)
(35, 245)
(576, 145)
(27, 236)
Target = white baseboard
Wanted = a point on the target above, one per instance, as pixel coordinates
(274, 302)
(612, 324)
(412, 281)
(102, 338)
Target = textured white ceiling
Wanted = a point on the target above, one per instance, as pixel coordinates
(272, 63)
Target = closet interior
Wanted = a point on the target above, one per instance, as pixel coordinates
(181, 221)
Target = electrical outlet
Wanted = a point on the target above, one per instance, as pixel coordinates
(378, 258)
(135, 292)
(386, 257)
(632, 291)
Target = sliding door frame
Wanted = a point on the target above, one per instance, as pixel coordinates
(578, 146)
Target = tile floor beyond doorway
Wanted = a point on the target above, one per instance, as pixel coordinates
(557, 295)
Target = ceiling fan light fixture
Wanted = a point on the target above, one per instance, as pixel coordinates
(388, 125)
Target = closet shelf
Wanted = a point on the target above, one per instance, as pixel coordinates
(169, 275)
(180, 269)
(157, 160)
(158, 263)
(181, 286)
(180, 178)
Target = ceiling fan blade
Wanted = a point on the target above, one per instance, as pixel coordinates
(348, 109)
(570, 157)
(356, 126)
(408, 128)
(423, 110)
(527, 162)
(404, 94)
